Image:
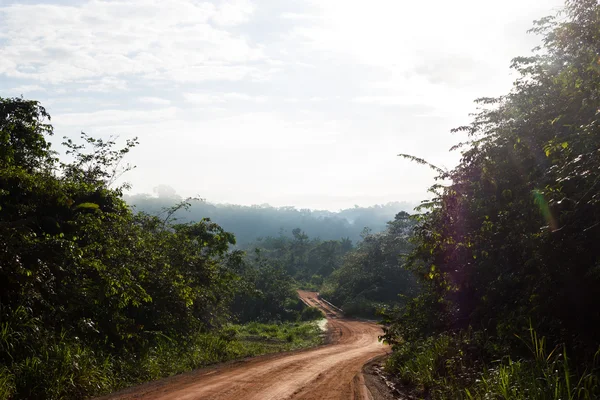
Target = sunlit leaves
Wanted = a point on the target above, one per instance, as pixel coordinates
(518, 224)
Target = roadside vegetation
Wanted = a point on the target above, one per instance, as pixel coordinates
(506, 253)
(258, 338)
(232, 342)
(94, 297)
(490, 291)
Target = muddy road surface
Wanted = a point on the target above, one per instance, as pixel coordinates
(332, 371)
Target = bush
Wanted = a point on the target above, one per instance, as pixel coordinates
(460, 366)
(7, 383)
(361, 307)
(311, 314)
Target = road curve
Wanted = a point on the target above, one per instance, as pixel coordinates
(328, 372)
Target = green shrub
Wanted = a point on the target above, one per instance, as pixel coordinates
(361, 307)
(458, 366)
(7, 383)
(311, 314)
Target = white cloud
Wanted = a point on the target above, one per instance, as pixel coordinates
(234, 12)
(111, 117)
(154, 100)
(103, 85)
(184, 40)
(426, 47)
(26, 89)
(268, 101)
(298, 16)
(211, 98)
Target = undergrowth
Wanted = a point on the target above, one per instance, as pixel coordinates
(64, 368)
(465, 365)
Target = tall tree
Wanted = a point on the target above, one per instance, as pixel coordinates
(513, 236)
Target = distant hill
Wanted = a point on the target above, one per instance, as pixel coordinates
(251, 222)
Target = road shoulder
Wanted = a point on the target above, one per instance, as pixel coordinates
(376, 383)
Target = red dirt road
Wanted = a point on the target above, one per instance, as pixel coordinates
(332, 371)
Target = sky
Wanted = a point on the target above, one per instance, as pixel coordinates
(293, 103)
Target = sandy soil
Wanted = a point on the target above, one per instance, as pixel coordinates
(332, 371)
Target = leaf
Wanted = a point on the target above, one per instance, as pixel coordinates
(422, 162)
(92, 206)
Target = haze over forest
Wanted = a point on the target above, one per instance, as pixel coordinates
(250, 223)
(312, 129)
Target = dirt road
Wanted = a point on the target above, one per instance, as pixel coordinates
(332, 371)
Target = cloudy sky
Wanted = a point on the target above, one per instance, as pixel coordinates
(295, 102)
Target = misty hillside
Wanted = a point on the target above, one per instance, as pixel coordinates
(282, 116)
(251, 222)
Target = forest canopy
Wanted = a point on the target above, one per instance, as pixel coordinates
(249, 223)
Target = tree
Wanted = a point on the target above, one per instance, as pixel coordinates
(23, 131)
(373, 275)
(512, 237)
(87, 288)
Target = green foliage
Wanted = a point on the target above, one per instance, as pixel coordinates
(511, 235)
(311, 313)
(281, 336)
(23, 130)
(372, 276)
(305, 259)
(40, 364)
(94, 297)
(7, 383)
(266, 292)
(456, 366)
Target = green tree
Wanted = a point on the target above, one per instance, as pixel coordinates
(373, 275)
(267, 294)
(87, 288)
(24, 125)
(513, 236)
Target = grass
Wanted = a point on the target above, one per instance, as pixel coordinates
(66, 369)
(256, 338)
(231, 343)
(456, 366)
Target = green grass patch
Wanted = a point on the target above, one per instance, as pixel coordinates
(67, 369)
(256, 338)
(462, 366)
(230, 343)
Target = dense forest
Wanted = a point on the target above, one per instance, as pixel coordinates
(97, 294)
(249, 223)
(506, 253)
(488, 291)
(362, 279)
(94, 297)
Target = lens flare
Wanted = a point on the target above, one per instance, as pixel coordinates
(541, 202)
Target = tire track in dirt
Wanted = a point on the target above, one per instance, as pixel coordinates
(332, 371)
